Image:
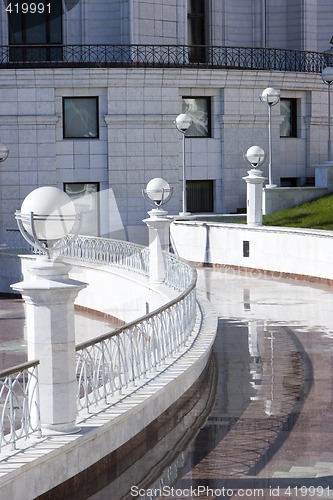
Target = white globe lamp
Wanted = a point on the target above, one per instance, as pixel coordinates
(255, 156)
(157, 192)
(4, 151)
(47, 215)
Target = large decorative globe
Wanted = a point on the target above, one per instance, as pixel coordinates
(158, 190)
(54, 213)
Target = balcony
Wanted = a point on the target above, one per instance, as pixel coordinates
(162, 56)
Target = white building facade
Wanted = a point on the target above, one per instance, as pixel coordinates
(89, 91)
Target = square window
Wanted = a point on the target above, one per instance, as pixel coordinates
(198, 109)
(84, 195)
(200, 196)
(80, 118)
(288, 109)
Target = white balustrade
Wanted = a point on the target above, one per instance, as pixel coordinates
(108, 364)
(19, 403)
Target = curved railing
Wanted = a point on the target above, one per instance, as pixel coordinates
(166, 56)
(110, 363)
(19, 403)
(115, 253)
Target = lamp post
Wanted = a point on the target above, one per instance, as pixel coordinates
(157, 192)
(183, 123)
(255, 156)
(47, 216)
(4, 151)
(270, 97)
(327, 76)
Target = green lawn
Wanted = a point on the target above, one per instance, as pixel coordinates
(317, 214)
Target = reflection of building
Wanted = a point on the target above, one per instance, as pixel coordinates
(84, 100)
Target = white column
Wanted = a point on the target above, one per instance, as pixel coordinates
(158, 228)
(255, 182)
(49, 296)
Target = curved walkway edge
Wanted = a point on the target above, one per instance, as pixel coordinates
(40, 465)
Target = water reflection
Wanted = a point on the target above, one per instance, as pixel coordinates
(262, 418)
(160, 450)
(270, 426)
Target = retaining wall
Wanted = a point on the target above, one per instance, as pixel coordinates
(302, 253)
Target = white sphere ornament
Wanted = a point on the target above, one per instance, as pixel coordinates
(327, 75)
(255, 155)
(158, 190)
(4, 151)
(270, 96)
(53, 213)
(183, 122)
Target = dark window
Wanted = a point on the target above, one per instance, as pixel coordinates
(28, 26)
(288, 109)
(196, 29)
(80, 117)
(85, 198)
(199, 110)
(289, 182)
(200, 196)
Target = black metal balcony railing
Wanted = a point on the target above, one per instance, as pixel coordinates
(162, 56)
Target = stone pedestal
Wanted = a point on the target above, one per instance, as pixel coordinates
(49, 295)
(324, 175)
(158, 227)
(255, 182)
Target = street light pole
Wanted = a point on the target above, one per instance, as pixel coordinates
(270, 97)
(4, 151)
(183, 122)
(327, 76)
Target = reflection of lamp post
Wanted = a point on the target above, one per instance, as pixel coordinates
(158, 191)
(255, 156)
(327, 76)
(47, 215)
(183, 123)
(270, 97)
(270, 408)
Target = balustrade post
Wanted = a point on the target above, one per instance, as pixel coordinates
(49, 296)
(158, 230)
(255, 182)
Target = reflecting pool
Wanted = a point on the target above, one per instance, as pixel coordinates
(269, 433)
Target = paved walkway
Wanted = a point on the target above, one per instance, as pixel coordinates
(270, 433)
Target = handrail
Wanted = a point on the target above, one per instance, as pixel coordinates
(19, 400)
(116, 253)
(164, 56)
(112, 361)
(109, 363)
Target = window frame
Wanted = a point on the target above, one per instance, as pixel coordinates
(200, 186)
(66, 186)
(188, 133)
(197, 30)
(21, 48)
(80, 137)
(293, 122)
